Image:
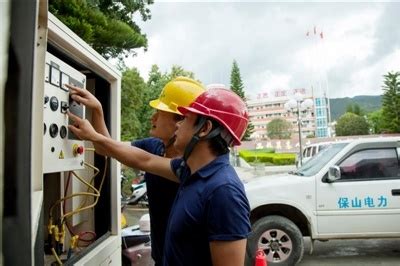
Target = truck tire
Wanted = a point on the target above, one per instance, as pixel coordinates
(280, 239)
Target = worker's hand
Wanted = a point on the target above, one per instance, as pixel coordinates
(84, 97)
(82, 128)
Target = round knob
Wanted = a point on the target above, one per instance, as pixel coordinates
(53, 130)
(53, 103)
(77, 149)
(80, 150)
(63, 132)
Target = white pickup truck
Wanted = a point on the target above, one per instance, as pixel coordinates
(348, 190)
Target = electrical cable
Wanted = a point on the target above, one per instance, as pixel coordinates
(81, 239)
(59, 234)
(69, 227)
(56, 256)
(97, 195)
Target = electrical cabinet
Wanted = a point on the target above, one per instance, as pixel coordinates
(62, 151)
(81, 203)
(61, 200)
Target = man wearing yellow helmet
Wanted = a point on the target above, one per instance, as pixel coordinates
(161, 192)
(209, 222)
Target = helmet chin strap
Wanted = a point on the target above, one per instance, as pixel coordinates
(190, 146)
(170, 141)
(196, 138)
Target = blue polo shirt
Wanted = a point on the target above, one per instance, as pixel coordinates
(210, 205)
(161, 193)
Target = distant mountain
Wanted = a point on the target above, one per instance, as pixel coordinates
(367, 104)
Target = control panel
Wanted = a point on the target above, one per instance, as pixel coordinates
(62, 150)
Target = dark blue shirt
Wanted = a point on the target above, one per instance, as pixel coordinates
(211, 205)
(161, 194)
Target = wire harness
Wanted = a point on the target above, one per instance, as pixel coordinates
(56, 228)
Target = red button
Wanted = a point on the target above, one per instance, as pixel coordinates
(80, 150)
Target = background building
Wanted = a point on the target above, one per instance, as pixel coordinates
(270, 105)
(322, 117)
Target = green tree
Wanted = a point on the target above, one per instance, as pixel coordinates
(375, 121)
(391, 103)
(354, 108)
(156, 81)
(178, 71)
(132, 91)
(238, 87)
(236, 81)
(349, 108)
(351, 124)
(106, 25)
(279, 129)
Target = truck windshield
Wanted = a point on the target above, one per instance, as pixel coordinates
(315, 164)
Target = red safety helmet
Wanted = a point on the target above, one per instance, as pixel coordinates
(226, 107)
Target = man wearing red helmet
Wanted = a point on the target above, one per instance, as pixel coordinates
(161, 192)
(209, 221)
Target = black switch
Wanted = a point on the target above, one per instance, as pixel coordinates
(64, 107)
(53, 103)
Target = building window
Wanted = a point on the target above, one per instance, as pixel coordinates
(321, 122)
(322, 132)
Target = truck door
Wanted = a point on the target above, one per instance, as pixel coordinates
(366, 200)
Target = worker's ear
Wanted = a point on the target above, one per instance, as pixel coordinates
(206, 129)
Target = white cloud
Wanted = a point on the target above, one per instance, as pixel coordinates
(269, 43)
(352, 38)
(370, 79)
(268, 81)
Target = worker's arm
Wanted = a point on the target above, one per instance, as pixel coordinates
(128, 155)
(86, 98)
(230, 253)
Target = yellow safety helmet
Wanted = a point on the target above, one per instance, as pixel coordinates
(181, 91)
(124, 222)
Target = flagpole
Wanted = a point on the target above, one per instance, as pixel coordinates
(327, 87)
(319, 80)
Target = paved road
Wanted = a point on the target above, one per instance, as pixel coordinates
(383, 252)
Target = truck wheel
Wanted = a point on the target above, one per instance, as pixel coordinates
(280, 239)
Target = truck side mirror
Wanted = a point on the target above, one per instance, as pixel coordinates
(334, 173)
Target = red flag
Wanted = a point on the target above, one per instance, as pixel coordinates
(322, 35)
(315, 30)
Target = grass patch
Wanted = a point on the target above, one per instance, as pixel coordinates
(268, 157)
